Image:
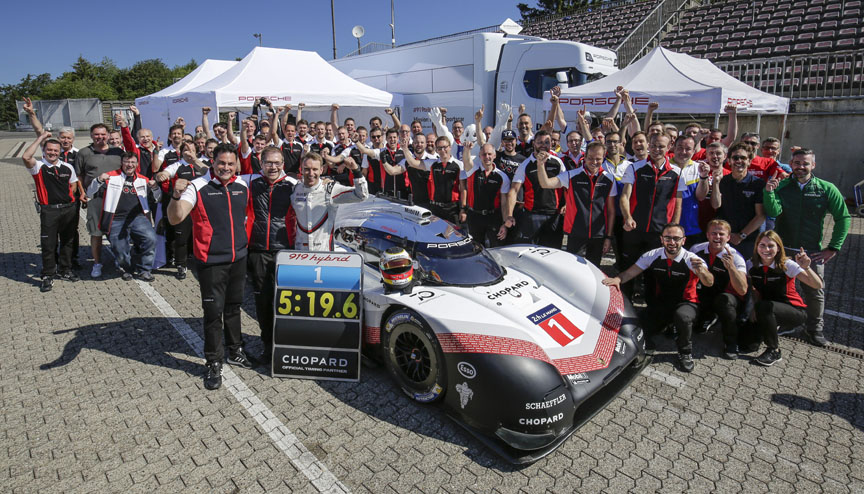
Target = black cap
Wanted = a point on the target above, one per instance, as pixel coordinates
(508, 134)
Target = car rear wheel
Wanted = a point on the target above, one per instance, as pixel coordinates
(413, 356)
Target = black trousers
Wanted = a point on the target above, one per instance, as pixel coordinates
(633, 245)
(221, 295)
(182, 237)
(262, 274)
(58, 226)
(593, 248)
(484, 227)
(726, 306)
(540, 229)
(655, 317)
(169, 230)
(771, 314)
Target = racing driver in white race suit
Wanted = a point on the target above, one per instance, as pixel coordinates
(315, 202)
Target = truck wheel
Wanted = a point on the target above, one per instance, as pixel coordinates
(413, 356)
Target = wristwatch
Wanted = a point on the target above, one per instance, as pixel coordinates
(742, 235)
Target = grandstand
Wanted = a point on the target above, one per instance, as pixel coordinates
(794, 48)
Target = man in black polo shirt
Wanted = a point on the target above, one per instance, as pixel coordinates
(417, 175)
(55, 182)
(217, 203)
(738, 200)
(676, 273)
(508, 159)
(536, 224)
(292, 149)
(590, 196)
(336, 159)
(484, 195)
(92, 161)
(392, 154)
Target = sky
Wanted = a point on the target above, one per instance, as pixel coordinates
(178, 31)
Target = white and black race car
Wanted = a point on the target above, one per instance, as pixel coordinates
(522, 344)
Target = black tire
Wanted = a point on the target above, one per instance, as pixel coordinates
(413, 356)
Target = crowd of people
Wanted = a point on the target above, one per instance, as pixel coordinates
(696, 219)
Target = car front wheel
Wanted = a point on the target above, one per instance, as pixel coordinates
(413, 356)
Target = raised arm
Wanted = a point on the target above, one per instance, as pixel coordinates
(31, 116)
(363, 149)
(583, 126)
(478, 125)
(701, 270)
(437, 116)
(205, 121)
(341, 194)
(503, 119)
(467, 159)
(623, 277)
(649, 115)
(732, 126)
(27, 157)
(231, 137)
(179, 209)
(545, 181)
(397, 124)
(334, 115)
(412, 160)
(619, 96)
(136, 122)
(702, 188)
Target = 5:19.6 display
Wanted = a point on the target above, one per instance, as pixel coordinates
(317, 303)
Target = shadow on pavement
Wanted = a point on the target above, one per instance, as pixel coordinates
(23, 267)
(847, 406)
(145, 339)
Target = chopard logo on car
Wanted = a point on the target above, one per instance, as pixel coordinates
(467, 370)
(541, 420)
(512, 290)
(540, 405)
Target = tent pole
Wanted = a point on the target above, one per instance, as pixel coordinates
(717, 120)
(758, 122)
(783, 134)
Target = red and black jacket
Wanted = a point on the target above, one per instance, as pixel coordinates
(536, 198)
(443, 184)
(652, 199)
(219, 220)
(673, 280)
(483, 189)
(270, 221)
(775, 284)
(586, 196)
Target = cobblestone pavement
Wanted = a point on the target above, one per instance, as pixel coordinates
(101, 392)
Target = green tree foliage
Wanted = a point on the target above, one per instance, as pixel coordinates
(102, 80)
(553, 7)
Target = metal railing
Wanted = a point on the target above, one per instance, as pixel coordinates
(526, 23)
(647, 34)
(825, 76)
(373, 47)
(369, 48)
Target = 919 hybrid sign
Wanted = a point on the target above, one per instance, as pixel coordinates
(319, 315)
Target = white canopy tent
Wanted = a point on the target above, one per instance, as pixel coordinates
(678, 82)
(159, 110)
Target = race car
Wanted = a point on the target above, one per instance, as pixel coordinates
(520, 344)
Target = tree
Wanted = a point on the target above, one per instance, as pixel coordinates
(553, 7)
(9, 94)
(145, 77)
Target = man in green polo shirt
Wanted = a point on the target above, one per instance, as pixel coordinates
(800, 203)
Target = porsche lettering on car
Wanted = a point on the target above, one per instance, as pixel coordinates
(520, 345)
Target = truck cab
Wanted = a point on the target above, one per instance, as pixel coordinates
(464, 72)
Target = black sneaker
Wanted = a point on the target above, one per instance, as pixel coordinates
(731, 352)
(815, 339)
(685, 361)
(144, 276)
(706, 325)
(181, 273)
(239, 359)
(769, 357)
(47, 284)
(170, 263)
(125, 275)
(213, 378)
(751, 348)
(69, 276)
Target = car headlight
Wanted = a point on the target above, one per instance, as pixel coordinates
(523, 441)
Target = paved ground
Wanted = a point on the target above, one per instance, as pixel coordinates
(100, 383)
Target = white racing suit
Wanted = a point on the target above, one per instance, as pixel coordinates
(316, 210)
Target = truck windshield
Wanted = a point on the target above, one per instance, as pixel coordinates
(541, 80)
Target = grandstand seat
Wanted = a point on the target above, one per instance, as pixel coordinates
(772, 31)
(763, 17)
(823, 45)
(760, 24)
(675, 44)
(812, 17)
(833, 6)
(798, 12)
(800, 4)
(691, 41)
(747, 52)
(852, 13)
(806, 37)
(827, 34)
(763, 51)
(832, 15)
(714, 47)
(813, 9)
(846, 44)
(732, 44)
(766, 41)
(802, 47)
(828, 25)
(766, 85)
(726, 55)
(738, 35)
(849, 32)
(781, 50)
(755, 33)
(725, 36)
(712, 30)
(793, 20)
(786, 38)
(853, 4)
(850, 22)
(809, 27)
(707, 39)
(790, 28)
(749, 43)
(710, 56)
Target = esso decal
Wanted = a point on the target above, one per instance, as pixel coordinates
(467, 370)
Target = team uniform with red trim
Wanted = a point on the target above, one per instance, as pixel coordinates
(442, 187)
(220, 243)
(671, 294)
(779, 304)
(537, 222)
(58, 213)
(483, 191)
(391, 185)
(721, 298)
(585, 217)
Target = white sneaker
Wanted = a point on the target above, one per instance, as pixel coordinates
(96, 272)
